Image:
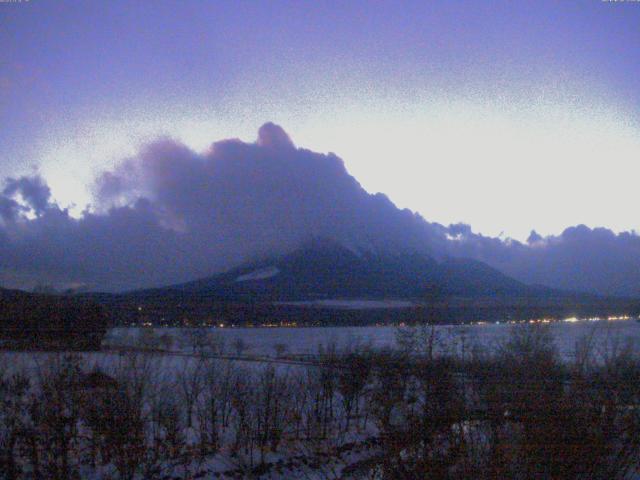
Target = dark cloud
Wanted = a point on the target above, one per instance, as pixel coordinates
(534, 237)
(580, 258)
(170, 214)
(273, 136)
(33, 191)
(9, 209)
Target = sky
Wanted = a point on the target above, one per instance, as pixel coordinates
(508, 116)
(149, 143)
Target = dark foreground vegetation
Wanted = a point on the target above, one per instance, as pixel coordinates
(50, 322)
(514, 412)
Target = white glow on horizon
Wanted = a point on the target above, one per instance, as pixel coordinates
(499, 171)
(503, 170)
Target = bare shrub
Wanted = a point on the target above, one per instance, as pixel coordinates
(422, 340)
(148, 339)
(416, 405)
(122, 419)
(212, 407)
(271, 409)
(216, 342)
(351, 381)
(14, 420)
(280, 349)
(55, 413)
(189, 384)
(197, 339)
(166, 341)
(239, 345)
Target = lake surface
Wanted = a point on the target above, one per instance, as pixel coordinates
(605, 336)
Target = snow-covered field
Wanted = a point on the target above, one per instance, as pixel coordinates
(265, 344)
(307, 341)
(216, 417)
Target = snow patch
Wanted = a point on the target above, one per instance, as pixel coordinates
(351, 304)
(260, 274)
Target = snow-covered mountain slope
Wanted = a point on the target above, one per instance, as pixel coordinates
(325, 269)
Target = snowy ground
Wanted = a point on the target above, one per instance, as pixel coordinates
(263, 345)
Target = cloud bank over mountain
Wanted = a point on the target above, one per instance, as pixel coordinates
(170, 214)
(580, 258)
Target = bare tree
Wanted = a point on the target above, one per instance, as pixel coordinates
(190, 384)
(280, 349)
(197, 339)
(14, 389)
(56, 413)
(351, 381)
(239, 345)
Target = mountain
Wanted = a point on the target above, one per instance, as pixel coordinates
(326, 282)
(327, 269)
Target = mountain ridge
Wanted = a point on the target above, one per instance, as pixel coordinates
(325, 268)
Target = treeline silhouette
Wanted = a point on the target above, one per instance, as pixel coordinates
(45, 322)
